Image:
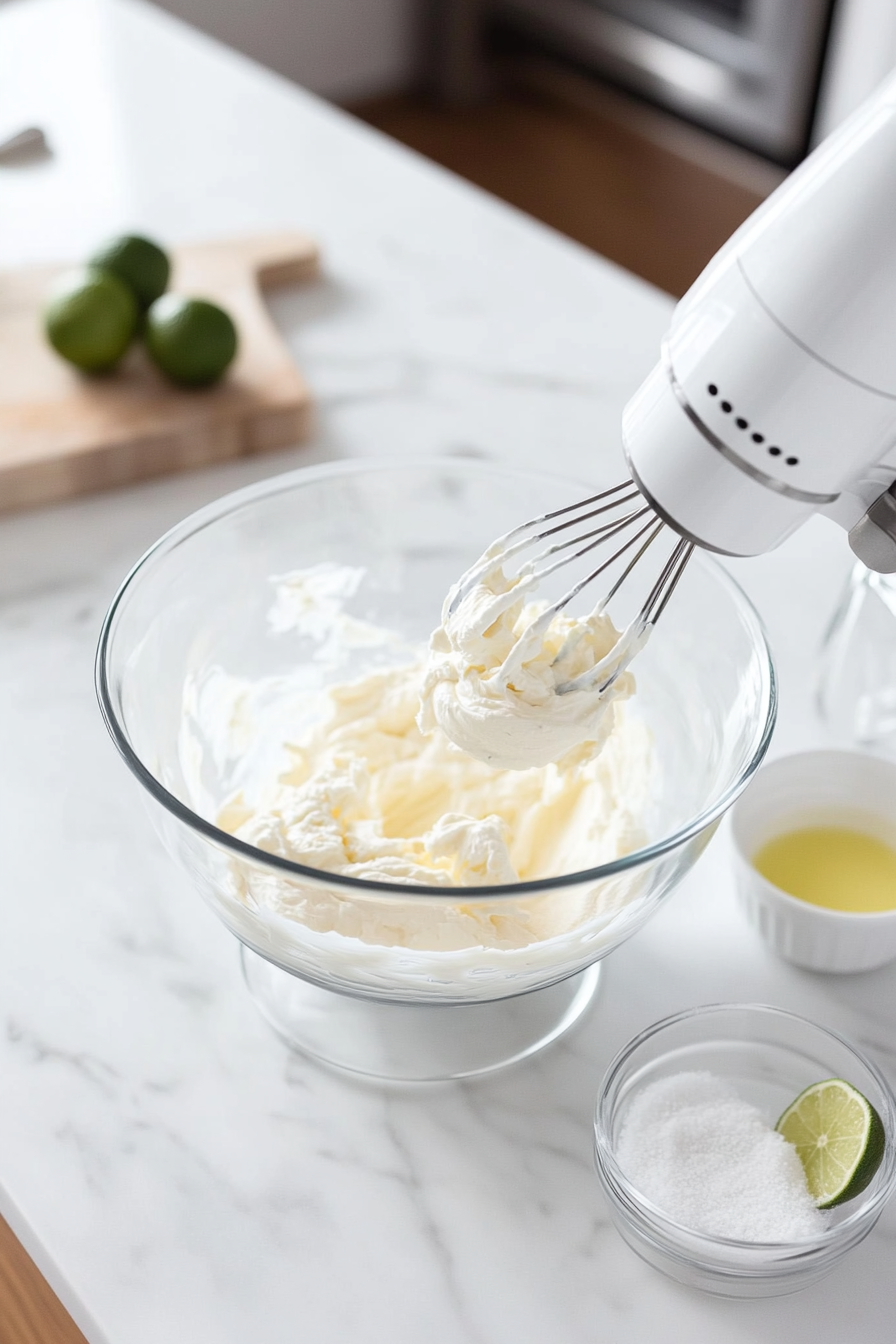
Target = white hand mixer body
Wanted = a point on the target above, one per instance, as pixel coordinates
(775, 397)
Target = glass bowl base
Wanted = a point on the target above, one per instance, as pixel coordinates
(407, 1042)
(711, 1280)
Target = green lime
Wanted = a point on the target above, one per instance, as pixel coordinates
(191, 340)
(140, 263)
(90, 319)
(839, 1137)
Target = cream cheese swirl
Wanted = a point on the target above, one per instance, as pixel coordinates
(516, 687)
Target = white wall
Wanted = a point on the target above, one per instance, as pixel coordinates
(343, 49)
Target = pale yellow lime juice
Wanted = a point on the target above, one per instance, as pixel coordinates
(838, 867)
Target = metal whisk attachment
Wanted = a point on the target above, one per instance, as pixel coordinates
(629, 526)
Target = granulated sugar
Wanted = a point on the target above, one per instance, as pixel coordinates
(710, 1160)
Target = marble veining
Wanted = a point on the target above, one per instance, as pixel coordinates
(175, 1170)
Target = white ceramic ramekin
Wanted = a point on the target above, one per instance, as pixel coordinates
(815, 788)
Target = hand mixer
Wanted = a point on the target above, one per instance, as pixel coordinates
(774, 398)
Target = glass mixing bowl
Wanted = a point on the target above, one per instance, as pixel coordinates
(202, 627)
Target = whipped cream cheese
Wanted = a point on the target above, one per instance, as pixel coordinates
(365, 794)
(340, 778)
(514, 687)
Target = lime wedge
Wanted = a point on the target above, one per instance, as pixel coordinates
(839, 1138)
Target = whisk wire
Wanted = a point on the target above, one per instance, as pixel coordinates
(593, 513)
(653, 527)
(507, 552)
(599, 535)
(636, 529)
(611, 593)
(667, 582)
(571, 508)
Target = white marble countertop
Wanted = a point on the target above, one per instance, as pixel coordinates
(175, 1171)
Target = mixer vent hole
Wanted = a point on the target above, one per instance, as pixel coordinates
(741, 423)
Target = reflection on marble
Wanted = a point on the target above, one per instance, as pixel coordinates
(178, 1174)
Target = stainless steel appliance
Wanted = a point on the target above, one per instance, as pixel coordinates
(749, 69)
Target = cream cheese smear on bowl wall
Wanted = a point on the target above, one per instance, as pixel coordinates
(361, 777)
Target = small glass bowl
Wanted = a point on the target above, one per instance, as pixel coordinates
(769, 1056)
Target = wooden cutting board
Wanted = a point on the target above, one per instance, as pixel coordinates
(63, 433)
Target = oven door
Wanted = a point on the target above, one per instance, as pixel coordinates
(746, 68)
